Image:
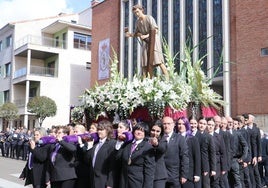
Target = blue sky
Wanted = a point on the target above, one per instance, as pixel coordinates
(19, 10)
(78, 5)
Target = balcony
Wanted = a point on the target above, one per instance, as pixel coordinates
(35, 70)
(21, 102)
(41, 41)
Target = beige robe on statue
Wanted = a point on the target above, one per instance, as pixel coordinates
(143, 27)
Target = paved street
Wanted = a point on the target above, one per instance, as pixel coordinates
(9, 173)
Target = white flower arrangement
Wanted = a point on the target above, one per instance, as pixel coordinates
(123, 96)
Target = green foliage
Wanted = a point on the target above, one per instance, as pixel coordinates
(42, 107)
(200, 84)
(77, 115)
(9, 111)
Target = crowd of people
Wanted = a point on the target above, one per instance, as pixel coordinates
(187, 152)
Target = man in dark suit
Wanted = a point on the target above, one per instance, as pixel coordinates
(61, 166)
(14, 138)
(208, 153)
(2, 141)
(176, 157)
(254, 133)
(244, 169)
(239, 151)
(221, 154)
(263, 165)
(7, 143)
(226, 137)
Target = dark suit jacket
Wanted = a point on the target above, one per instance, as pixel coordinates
(208, 153)
(253, 136)
(177, 158)
(258, 139)
(221, 153)
(102, 173)
(36, 175)
(239, 146)
(160, 166)
(194, 157)
(82, 168)
(264, 145)
(64, 167)
(246, 136)
(140, 173)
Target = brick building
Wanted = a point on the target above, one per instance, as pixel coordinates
(239, 35)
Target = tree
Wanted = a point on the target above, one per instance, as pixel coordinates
(9, 111)
(42, 107)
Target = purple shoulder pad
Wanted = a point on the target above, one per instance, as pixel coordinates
(129, 136)
(47, 140)
(95, 136)
(70, 139)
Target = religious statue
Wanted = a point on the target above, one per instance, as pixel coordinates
(146, 30)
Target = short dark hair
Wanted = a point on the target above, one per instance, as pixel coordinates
(143, 127)
(246, 116)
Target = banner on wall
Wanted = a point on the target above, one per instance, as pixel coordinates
(104, 59)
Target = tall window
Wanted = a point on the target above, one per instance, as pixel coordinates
(64, 38)
(203, 32)
(176, 33)
(8, 69)
(1, 46)
(32, 92)
(8, 41)
(57, 41)
(6, 96)
(165, 20)
(126, 40)
(82, 41)
(217, 42)
(189, 22)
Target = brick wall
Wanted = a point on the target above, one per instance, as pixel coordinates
(105, 24)
(249, 71)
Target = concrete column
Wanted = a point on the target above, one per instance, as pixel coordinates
(226, 56)
(26, 102)
(210, 48)
(182, 28)
(195, 30)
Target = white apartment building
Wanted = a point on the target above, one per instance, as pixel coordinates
(45, 57)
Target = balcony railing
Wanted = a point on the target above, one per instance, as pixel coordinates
(42, 41)
(42, 71)
(35, 70)
(21, 102)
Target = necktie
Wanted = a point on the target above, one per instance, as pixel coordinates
(133, 147)
(167, 137)
(95, 152)
(55, 152)
(30, 161)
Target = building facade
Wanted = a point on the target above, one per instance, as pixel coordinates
(229, 33)
(45, 57)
